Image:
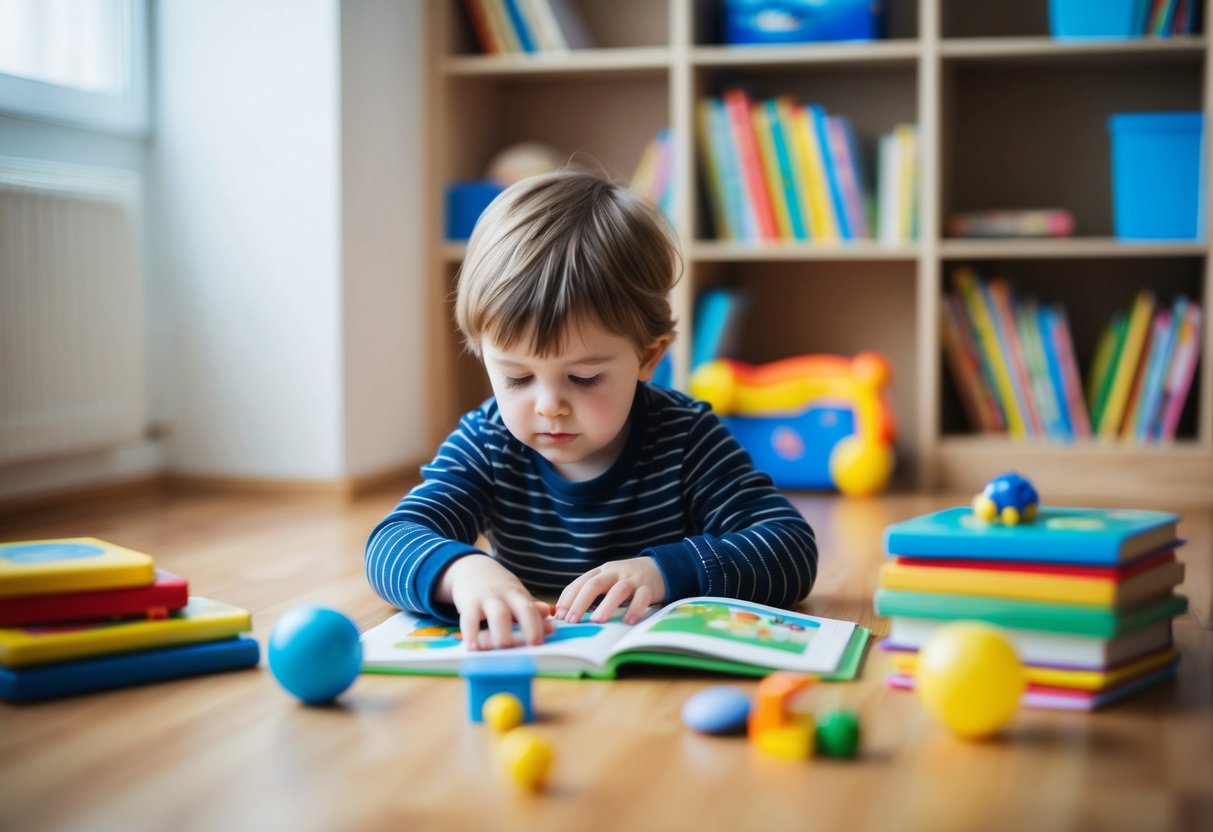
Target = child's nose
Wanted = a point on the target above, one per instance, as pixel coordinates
(548, 403)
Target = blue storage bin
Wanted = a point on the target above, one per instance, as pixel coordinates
(465, 202)
(801, 21)
(1096, 18)
(1157, 175)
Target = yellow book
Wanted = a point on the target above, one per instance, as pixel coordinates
(907, 191)
(1104, 591)
(1104, 347)
(199, 620)
(823, 224)
(712, 166)
(785, 107)
(74, 564)
(1060, 677)
(983, 324)
(770, 170)
(1126, 366)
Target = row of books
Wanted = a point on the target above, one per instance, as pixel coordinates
(1168, 17)
(527, 26)
(779, 169)
(81, 614)
(1086, 596)
(654, 175)
(1142, 371)
(1015, 368)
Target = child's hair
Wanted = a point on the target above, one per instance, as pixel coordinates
(564, 247)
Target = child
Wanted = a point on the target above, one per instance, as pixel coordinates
(586, 481)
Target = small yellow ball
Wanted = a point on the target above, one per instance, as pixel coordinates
(970, 678)
(859, 468)
(503, 711)
(526, 758)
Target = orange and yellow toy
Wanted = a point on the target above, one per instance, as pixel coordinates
(812, 421)
(774, 727)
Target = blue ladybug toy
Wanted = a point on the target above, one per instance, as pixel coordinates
(1009, 498)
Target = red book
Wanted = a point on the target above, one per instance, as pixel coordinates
(1116, 573)
(169, 592)
(738, 106)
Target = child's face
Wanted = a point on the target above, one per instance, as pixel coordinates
(571, 407)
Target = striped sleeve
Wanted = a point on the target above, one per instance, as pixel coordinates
(751, 543)
(435, 523)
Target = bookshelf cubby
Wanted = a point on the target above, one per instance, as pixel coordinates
(1007, 118)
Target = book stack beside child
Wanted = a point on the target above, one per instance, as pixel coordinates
(1086, 596)
(80, 615)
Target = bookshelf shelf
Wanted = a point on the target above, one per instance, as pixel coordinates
(1007, 117)
(1074, 247)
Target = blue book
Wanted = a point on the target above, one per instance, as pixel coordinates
(831, 171)
(525, 36)
(1090, 536)
(1045, 325)
(741, 215)
(782, 142)
(119, 670)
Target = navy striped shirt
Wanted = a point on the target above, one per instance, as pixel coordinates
(683, 492)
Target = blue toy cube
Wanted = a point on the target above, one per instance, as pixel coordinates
(465, 202)
(802, 21)
(489, 674)
(1095, 18)
(1157, 173)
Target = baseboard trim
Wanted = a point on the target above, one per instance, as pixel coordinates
(138, 487)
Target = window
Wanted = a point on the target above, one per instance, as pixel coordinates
(81, 62)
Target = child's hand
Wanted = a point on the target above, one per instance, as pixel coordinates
(484, 590)
(635, 578)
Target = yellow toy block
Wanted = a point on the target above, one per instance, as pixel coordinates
(771, 701)
(790, 742)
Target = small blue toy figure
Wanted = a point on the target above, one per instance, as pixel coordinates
(1008, 497)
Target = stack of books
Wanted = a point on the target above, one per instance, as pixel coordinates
(1086, 596)
(80, 615)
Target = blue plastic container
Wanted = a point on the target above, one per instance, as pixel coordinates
(1096, 18)
(465, 202)
(801, 21)
(1156, 175)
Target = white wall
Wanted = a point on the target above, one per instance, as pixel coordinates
(383, 244)
(247, 160)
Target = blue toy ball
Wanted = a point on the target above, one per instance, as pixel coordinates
(315, 653)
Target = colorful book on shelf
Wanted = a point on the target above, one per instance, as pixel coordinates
(1103, 367)
(741, 214)
(718, 314)
(905, 663)
(1046, 648)
(1181, 372)
(1094, 536)
(1027, 325)
(975, 396)
(717, 634)
(35, 567)
(1055, 375)
(812, 160)
(1063, 346)
(907, 188)
(1069, 699)
(120, 670)
(503, 28)
(785, 107)
(544, 27)
(712, 168)
(818, 117)
(764, 139)
(781, 143)
(199, 620)
(166, 593)
(844, 149)
(486, 37)
(1151, 359)
(521, 27)
(982, 318)
(1000, 303)
(1128, 357)
(738, 106)
(1163, 347)
(1070, 619)
(1118, 588)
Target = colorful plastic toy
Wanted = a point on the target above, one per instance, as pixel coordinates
(813, 421)
(838, 733)
(487, 675)
(717, 710)
(1008, 497)
(503, 711)
(970, 678)
(526, 758)
(774, 727)
(315, 653)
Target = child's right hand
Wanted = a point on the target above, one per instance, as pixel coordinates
(484, 590)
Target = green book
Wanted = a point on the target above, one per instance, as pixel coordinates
(1075, 619)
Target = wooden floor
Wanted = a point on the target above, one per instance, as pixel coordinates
(233, 752)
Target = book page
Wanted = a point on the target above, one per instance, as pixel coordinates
(407, 641)
(741, 631)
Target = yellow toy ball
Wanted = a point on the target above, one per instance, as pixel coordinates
(970, 678)
(503, 711)
(859, 468)
(526, 758)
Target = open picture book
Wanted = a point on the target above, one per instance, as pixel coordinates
(716, 634)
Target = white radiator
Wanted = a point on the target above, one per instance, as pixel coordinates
(71, 309)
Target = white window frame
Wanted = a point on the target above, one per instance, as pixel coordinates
(126, 113)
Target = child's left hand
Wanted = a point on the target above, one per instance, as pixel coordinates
(617, 581)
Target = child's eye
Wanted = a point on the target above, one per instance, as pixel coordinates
(582, 381)
(516, 382)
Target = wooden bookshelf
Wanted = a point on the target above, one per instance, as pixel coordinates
(1007, 117)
